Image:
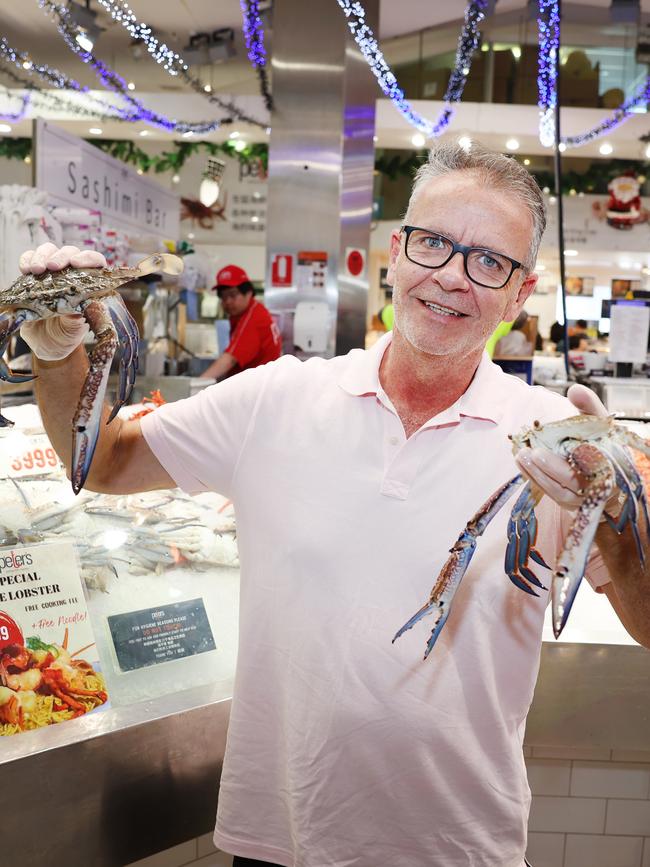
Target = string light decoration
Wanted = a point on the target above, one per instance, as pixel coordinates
(114, 82)
(165, 56)
(548, 27)
(363, 36)
(254, 37)
(548, 23)
(22, 111)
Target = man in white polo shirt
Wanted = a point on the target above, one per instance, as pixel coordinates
(345, 750)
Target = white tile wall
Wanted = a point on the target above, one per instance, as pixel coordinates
(591, 808)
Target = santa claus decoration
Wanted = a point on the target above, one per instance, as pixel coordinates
(624, 203)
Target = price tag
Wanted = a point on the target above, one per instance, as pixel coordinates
(23, 456)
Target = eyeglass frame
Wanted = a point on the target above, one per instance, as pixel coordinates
(458, 248)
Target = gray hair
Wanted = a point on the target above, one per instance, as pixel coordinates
(494, 170)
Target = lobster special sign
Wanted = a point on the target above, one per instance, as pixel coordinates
(77, 174)
(49, 668)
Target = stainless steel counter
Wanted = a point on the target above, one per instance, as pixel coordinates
(108, 789)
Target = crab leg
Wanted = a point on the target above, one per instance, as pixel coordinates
(591, 462)
(522, 534)
(444, 590)
(85, 424)
(633, 495)
(128, 333)
(636, 483)
(8, 327)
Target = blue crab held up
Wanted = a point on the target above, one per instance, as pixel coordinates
(92, 293)
(596, 449)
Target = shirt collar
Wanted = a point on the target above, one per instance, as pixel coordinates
(483, 398)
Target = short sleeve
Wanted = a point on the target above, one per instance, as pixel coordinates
(246, 344)
(199, 440)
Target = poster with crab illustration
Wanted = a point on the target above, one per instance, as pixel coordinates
(49, 668)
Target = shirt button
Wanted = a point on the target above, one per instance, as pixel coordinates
(394, 441)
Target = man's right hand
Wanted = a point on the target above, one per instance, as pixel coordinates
(54, 338)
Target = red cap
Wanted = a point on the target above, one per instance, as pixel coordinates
(231, 275)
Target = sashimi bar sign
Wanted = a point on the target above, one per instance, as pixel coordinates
(76, 174)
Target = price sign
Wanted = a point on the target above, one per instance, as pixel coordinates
(27, 456)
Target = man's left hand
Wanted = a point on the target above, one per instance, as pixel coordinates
(553, 473)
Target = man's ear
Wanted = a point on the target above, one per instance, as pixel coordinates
(521, 296)
(395, 247)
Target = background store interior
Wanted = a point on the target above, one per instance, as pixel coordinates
(603, 62)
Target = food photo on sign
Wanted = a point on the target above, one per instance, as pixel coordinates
(49, 670)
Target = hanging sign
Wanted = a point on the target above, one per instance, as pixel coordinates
(628, 331)
(51, 671)
(281, 270)
(75, 173)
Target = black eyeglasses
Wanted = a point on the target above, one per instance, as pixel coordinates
(432, 250)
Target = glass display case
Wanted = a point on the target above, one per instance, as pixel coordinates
(118, 639)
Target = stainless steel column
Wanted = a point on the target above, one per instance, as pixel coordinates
(321, 160)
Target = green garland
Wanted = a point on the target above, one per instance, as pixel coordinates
(173, 161)
(391, 164)
(15, 148)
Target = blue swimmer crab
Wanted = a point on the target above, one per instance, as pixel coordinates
(595, 449)
(92, 293)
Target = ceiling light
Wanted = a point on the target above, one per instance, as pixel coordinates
(465, 142)
(95, 130)
(240, 145)
(144, 132)
(27, 64)
(207, 88)
(234, 134)
(84, 41)
(268, 130)
(4, 127)
(561, 147)
(175, 179)
(255, 219)
(418, 140)
(130, 86)
(570, 252)
(526, 162)
(27, 159)
(208, 192)
(552, 200)
(375, 138)
(190, 235)
(187, 134)
(605, 149)
(516, 51)
(140, 172)
(512, 144)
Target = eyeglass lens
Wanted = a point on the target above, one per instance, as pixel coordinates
(433, 251)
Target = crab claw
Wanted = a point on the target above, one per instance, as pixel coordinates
(522, 534)
(87, 418)
(460, 555)
(597, 468)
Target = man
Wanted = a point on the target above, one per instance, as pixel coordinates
(344, 750)
(254, 336)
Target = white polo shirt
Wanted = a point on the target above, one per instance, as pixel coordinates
(345, 750)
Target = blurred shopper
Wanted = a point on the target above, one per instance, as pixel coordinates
(254, 336)
(342, 748)
(515, 341)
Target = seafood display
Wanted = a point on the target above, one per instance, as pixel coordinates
(42, 683)
(596, 449)
(92, 293)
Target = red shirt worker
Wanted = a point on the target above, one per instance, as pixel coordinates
(254, 336)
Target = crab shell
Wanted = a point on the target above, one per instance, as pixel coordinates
(583, 428)
(58, 292)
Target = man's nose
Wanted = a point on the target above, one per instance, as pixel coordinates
(452, 276)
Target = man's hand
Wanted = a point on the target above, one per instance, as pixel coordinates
(56, 337)
(553, 473)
